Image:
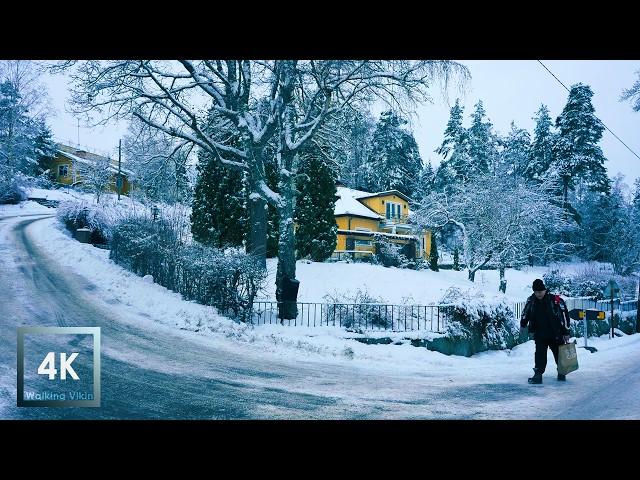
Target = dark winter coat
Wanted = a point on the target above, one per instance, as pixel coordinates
(547, 318)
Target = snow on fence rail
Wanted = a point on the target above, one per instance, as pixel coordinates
(377, 316)
(588, 303)
(362, 316)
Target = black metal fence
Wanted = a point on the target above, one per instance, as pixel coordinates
(362, 316)
(589, 303)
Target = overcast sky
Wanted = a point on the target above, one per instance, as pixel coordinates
(511, 90)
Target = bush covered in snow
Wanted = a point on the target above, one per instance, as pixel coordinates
(488, 323)
(588, 282)
(356, 311)
(227, 279)
(388, 253)
(80, 214)
(12, 190)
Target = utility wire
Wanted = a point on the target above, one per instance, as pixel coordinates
(601, 122)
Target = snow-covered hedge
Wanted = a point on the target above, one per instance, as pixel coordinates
(488, 323)
(80, 214)
(589, 282)
(356, 311)
(227, 279)
(12, 190)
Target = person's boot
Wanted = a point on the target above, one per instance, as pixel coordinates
(537, 377)
(562, 378)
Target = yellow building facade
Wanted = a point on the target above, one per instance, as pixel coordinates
(66, 168)
(360, 216)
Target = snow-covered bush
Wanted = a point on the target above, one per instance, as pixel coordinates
(588, 282)
(388, 253)
(488, 323)
(79, 214)
(227, 279)
(356, 311)
(12, 190)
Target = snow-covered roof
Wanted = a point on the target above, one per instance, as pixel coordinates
(387, 192)
(348, 204)
(76, 158)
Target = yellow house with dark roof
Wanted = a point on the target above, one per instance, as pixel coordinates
(361, 216)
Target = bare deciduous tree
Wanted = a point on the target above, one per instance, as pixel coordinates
(284, 102)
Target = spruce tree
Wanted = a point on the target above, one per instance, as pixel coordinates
(394, 162)
(541, 151)
(219, 215)
(514, 158)
(453, 168)
(455, 133)
(481, 148)
(316, 225)
(433, 253)
(577, 158)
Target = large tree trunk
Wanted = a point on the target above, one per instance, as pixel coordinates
(472, 274)
(503, 281)
(257, 235)
(286, 251)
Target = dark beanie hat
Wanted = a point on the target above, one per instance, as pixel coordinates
(538, 285)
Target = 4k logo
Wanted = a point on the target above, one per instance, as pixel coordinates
(50, 374)
(47, 367)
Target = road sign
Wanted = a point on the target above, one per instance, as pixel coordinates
(576, 314)
(591, 314)
(595, 314)
(612, 289)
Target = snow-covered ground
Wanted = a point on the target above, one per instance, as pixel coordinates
(397, 285)
(155, 308)
(141, 301)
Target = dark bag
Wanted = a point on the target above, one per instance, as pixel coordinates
(567, 358)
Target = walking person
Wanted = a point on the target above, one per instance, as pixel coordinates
(548, 321)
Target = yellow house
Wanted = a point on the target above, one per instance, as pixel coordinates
(66, 168)
(362, 215)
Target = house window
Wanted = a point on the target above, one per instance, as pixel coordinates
(63, 170)
(393, 210)
(363, 243)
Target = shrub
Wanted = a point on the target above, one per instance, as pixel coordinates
(490, 324)
(356, 311)
(228, 280)
(80, 214)
(12, 190)
(388, 253)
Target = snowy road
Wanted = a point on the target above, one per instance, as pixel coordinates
(162, 374)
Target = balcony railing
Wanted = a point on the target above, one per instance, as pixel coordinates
(402, 219)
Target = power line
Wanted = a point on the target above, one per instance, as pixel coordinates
(565, 87)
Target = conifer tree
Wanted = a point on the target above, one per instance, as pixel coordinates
(433, 253)
(316, 224)
(541, 152)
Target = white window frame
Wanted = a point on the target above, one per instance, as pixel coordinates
(396, 208)
(362, 243)
(362, 229)
(66, 166)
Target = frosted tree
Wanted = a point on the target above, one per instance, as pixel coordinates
(300, 95)
(394, 162)
(454, 149)
(514, 156)
(577, 158)
(158, 163)
(541, 151)
(633, 94)
(481, 142)
(501, 219)
(96, 175)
